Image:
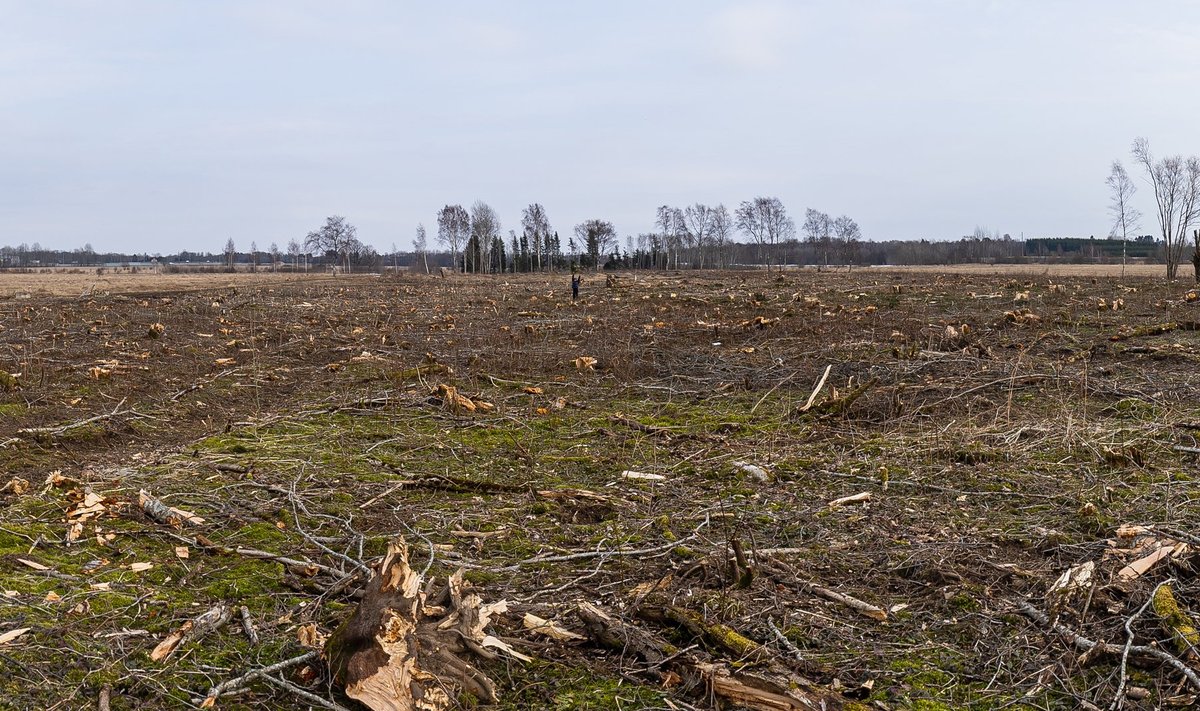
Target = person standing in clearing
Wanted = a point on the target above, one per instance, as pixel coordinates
(575, 279)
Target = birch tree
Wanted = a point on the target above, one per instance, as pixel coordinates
(1176, 184)
(1126, 218)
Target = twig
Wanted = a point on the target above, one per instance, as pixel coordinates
(605, 554)
(1084, 644)
(237, 683)
(787, 643)
(63, 429)
(248, 626)
(306, 695)
(1119, 697)
(781, 383)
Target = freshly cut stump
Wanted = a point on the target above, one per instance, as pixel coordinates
(402, 650)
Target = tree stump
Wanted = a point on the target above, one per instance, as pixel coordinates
(403, 650)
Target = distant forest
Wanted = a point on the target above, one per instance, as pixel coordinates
(637, 253)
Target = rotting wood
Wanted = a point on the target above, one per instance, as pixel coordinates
(775, 689)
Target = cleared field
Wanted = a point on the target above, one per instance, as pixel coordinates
(74, 283)
(1156, 271)
(78, 283)
(880, 489)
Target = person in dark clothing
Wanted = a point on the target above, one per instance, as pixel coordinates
(575, 279)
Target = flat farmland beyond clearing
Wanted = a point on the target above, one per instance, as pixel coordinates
(73, 282)
(868, 482)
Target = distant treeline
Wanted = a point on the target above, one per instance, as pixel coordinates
(641, 252)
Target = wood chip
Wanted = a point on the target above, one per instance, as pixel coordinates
(855, 499)
(10, 635)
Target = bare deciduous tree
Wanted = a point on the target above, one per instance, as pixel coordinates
(421, 246)
(722, 235)
(818, 230)
(230, 252)
(671, 225)
(485, 228)
(294, 251)
(697, 229)
(536, 228)
(454, 225)
(766, 221)
(599, 237)
(1176, 184)
(1126, 218)
(336, 236)
(848, 235)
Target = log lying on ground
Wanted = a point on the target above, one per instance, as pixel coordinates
(774, 688)
(401, 651)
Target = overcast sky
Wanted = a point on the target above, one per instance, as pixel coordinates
(157, 125)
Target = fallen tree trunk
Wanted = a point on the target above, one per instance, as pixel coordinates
(401, 651)
(775, 688)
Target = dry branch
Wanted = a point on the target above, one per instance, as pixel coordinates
(1086, 645)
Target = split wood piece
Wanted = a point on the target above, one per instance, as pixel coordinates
(1090, 647)
(193, 630)
(817, 390)
(168, 515)
(785, 574)
(398, 652)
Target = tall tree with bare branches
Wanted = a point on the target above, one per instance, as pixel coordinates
(671, 226)
(766, 221)
(722, 235)
(599, 238)
(535, 228)
(1176, 184)
(454, 226)
(485, 228)
(336, 236)
(697, 226)
(421, 246)
(1126, 218)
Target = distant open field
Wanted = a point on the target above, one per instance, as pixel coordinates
(76, 283)
(885, 489)
(1055, 270)
(70, 283)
